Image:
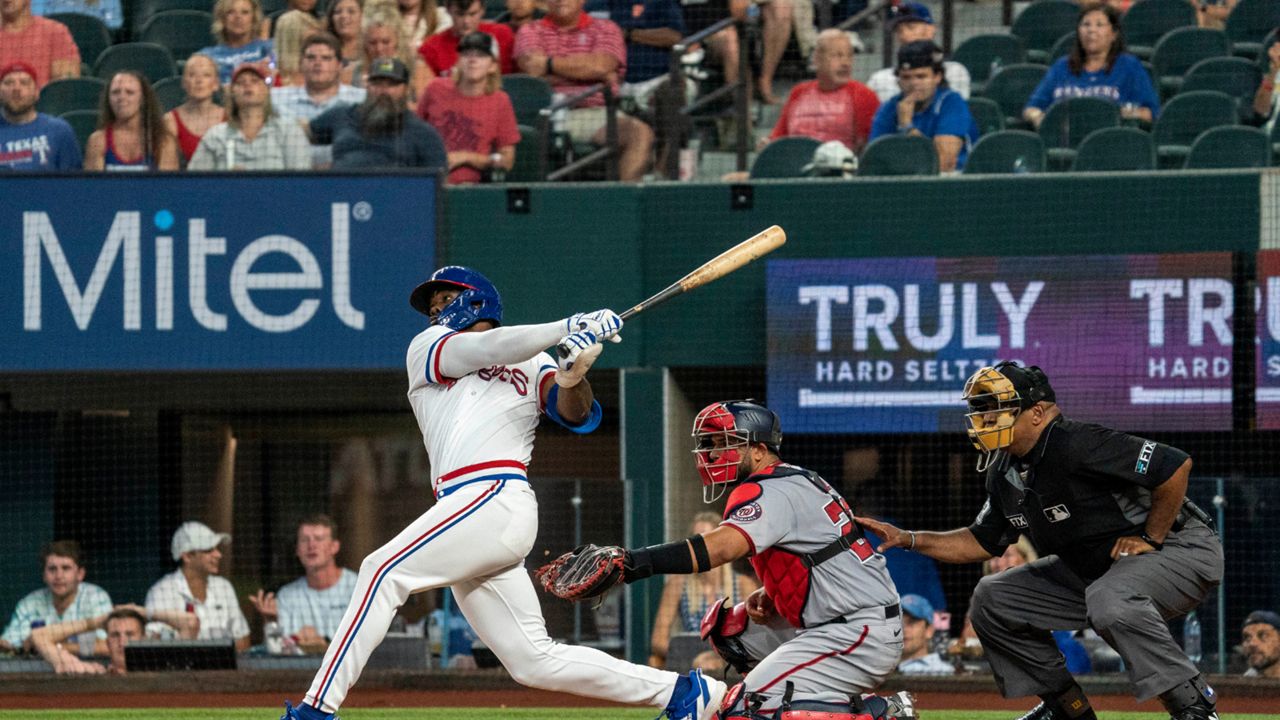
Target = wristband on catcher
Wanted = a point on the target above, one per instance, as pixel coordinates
(668, 559)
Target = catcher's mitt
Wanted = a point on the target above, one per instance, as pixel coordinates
(588, 572)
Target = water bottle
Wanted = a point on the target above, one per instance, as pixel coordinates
(274, 638)
(1191, 637)
(1020, 166)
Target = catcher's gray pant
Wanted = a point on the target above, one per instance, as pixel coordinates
(1014, 611)
(830, 663)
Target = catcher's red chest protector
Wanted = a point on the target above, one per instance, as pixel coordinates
(786, 580)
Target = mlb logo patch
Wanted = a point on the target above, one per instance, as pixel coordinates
(747, 513)
(1144, 458)
(1018, 521)
(1057, 513)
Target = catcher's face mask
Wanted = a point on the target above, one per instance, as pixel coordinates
(719, 449)
(994, 404)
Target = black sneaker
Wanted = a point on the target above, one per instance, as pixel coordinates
(1199, 711)
(1042, 712)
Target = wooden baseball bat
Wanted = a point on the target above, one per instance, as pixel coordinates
(754, 247)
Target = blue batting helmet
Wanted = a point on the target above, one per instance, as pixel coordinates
(479, 299)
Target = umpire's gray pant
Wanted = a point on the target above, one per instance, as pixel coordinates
(1014, 611)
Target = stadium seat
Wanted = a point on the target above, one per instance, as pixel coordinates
(983, 55)
(1011, 87)
(784, 158)
(987, 114)
(83, 123)
(1006, 152)
(1042, 23)
(153, 61)
(1180, 49)
(1249, 22)
(1234, 76)
(170, 93)
(90, 34)
(528, 96)
(1062, 47)
(182, 31)
(899, 155)
(67, 94)
(1068, 122)
(1115, 149)
(1229, 147)
(526, 167)
(1148, 20)
(144, 10)
(1184, 118)
(271, 7)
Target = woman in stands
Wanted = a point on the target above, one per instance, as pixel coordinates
(1097, 66)
(189, 121)
(292, 29)
(1267, 102)
(423, 18)
(385, 35)
(131, 133)
(237, 25)
(344, 20)
(471, 112)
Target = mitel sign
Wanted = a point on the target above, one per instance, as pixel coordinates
(269, 272)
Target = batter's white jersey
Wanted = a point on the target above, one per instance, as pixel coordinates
(479, 426)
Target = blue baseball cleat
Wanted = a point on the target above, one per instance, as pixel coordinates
(700, 699)
(305, 712)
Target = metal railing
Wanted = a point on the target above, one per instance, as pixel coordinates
(741, 90)
(607, 154)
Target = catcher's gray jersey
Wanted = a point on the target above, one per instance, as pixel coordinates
(792, 518)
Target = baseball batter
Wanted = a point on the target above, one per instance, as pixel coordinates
(477, 391)
(1122, 548)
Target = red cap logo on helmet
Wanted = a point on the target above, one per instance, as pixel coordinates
(719, 447)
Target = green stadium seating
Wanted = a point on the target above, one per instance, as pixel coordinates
(67, 94)
(83, 123)
(1234, 76)
(1007, 152)
(1042, 23)
(983, 55)
(526, 167)
(1249, 22)
(1184, 118)
(90, 34)
(1115, 149)
(1181, 49)
(1068, 122)
(1062, 47)
(986, 112)
(153, 61)
(528, 96)
(784, 158)
(144, 10)
(1148, 20)
(1011, 87)
(170, 93)
(899, 155)
(182, 31)
(1230, 147)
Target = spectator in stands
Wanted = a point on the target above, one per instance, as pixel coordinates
(31, 140)
(65, 595)
(918, 656)
(381, 131)
(124, 624)
(687, 598)
(440, 51)
(237, 26)
(1213, 14)
(1097, 67)
(423, 18)
(271, 23)
(1261, 644)
(131, 134)
(522, 12)
(108, 11)
(574, 51)
(254, 136)
(912, 22)
(310, 608)
(44, 44)
(926, 106)
(196, 586)
(702, 14)
(471, 112)
(1266, 103)
(384, 36)
(650, 28)
(322, 89)
(343, 20)
(834, 106)
(779, 16)
(292, 30)
(192, 119)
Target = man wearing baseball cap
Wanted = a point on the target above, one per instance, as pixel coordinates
(918, 656)
(912, 22)
(30, 140)
(196, 586)
(1261, 644)
(925, 106)
(254, 136)
(381, 131)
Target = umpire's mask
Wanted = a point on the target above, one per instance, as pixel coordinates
(996, 395)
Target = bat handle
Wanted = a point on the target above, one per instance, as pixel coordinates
(563, 350)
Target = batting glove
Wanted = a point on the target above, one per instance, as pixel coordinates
(604, 324)
(583, 351)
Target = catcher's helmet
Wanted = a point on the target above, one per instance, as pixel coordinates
(738, 424)
(479, 299)
(996, 395)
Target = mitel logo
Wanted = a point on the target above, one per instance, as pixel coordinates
(1144, 458)
(124, 239)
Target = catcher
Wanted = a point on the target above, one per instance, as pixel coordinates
(826, 626)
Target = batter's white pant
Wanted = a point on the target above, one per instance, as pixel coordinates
(475, 540)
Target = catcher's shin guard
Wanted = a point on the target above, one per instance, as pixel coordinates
(723, 627)
(819, 710)
(742, 705)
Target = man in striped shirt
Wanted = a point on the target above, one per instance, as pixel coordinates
(574, 51)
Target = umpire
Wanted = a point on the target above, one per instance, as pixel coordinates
(1123, 549)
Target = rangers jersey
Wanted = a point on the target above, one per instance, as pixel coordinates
(790, 517)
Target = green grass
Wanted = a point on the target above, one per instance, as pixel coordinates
(480, 714)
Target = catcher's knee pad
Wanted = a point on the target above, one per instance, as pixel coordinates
(723, 627)
(819, 709)
(739, 704)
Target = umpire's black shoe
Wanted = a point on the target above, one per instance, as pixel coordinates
(1043, 712)
(1199, 711)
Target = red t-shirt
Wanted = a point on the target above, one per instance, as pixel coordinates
(843, 114)
(590, 35)
(480, 124)
(39, 44)
(440, 51)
